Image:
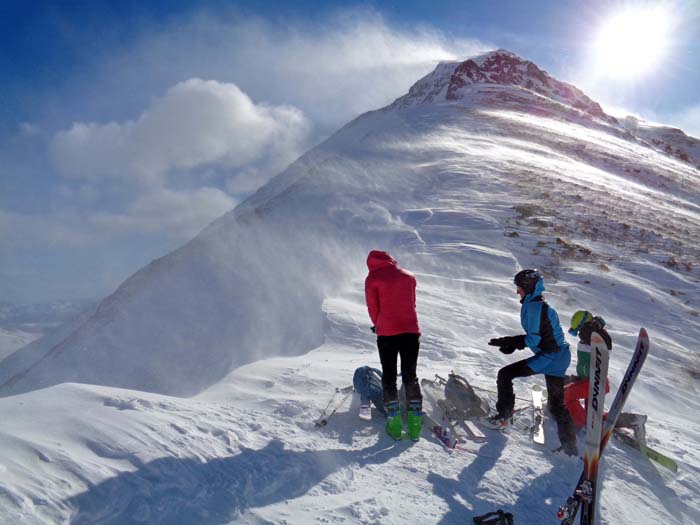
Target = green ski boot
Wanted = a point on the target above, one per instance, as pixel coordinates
(414, 421)
(394, 424)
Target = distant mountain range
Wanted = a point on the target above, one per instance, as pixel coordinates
(40, 315)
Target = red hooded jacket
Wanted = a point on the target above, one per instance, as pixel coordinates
(390, 293)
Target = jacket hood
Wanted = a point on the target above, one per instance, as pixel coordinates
(378, 259)
(539, 288)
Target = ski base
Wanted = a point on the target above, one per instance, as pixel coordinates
(537, 415)
(474, 433)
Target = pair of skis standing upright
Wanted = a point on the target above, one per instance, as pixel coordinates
(598, 429)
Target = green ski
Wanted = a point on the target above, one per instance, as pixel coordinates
(649, 452)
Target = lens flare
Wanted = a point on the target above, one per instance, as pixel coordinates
(633, 41)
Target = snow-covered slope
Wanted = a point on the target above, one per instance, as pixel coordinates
(462, 190)
(671, 141)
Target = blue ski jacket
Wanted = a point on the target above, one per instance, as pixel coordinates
(544, 335)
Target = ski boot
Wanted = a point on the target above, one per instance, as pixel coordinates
(414, 420)
(497, 422)
(394, 423)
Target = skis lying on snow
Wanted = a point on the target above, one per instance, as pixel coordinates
(333, 406)
(439, 423)
(475, 434)
(567, 512)
(456, 410)
(442, 430)
(649, 452)
(449, 424)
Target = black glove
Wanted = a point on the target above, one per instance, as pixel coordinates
(515, 341)
(374, 330)
(518, 341)
(509, 344)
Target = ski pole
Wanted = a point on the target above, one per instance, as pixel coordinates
(323, 418)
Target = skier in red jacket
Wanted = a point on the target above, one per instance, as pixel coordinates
(390, 293)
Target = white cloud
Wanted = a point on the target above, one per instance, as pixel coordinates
(332, 69)
(196, 123)
(182, 215)
(155, 152)
(210, 134)
(329, 72)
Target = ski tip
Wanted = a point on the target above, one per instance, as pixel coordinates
(643, 340)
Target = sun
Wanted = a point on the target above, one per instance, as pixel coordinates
(632, 41)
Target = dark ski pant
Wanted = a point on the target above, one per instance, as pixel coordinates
(555, 395)
(406, 346)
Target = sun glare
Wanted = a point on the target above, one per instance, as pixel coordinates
(633, 41)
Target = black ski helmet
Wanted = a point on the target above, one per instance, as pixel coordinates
(527, 279)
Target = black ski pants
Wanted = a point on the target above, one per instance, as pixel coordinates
(406, 346)
(555, 396)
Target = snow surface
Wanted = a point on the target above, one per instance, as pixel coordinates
(191, 393)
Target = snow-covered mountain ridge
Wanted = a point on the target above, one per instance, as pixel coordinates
(207, 368)
(490, 72)
(451, 80)
(671, 141)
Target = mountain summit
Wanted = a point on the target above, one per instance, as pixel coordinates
(452, 81)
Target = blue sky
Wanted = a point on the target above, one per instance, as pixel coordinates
(126, 127)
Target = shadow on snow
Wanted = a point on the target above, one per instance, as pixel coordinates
(186, 490)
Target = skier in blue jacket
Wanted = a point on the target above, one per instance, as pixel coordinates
(545, 337)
